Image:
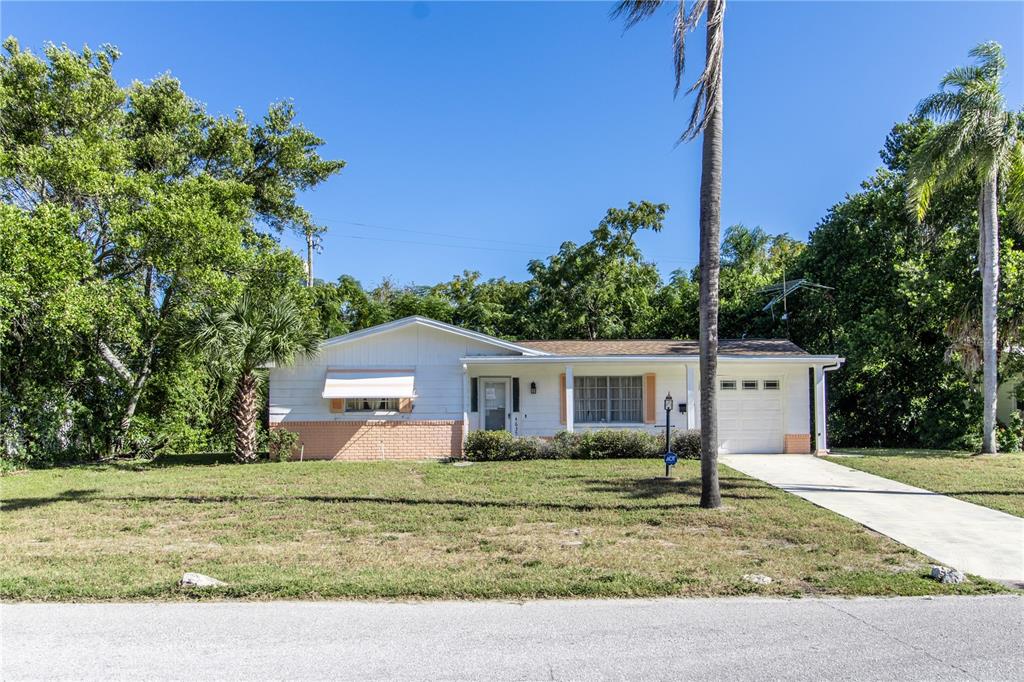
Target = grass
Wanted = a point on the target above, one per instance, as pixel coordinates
(430, 530)
(991, 481)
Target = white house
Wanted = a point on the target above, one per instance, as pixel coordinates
(413, 388)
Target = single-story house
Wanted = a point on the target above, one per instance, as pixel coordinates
(413, 389)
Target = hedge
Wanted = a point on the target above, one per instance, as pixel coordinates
(496, 446)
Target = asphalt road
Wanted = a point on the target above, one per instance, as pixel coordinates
(808, 639)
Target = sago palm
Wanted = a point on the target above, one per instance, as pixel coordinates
(245, 336)
(706, 118)
(978, 140)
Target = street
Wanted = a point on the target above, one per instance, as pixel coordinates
(898, 638)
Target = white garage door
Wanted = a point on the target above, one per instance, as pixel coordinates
(749, 415)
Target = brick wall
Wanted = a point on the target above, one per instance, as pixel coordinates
(377, 439)
(797, 444)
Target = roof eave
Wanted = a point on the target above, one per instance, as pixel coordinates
(557, 359)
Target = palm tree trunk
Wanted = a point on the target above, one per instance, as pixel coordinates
(989, 237)
(243, 411)
(710, 228)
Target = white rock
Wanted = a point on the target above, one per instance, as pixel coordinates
(200, 580)
(757, 579)
(948, 576)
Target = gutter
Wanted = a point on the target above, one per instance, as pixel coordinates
(828, 362)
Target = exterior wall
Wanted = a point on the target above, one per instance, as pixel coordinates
(539, 414)
(377, 439)
(1006, 402)
(437, 411)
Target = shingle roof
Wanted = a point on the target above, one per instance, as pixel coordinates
(751, 347)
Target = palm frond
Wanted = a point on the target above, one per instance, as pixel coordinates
(990, 56)
(708, 86)
(634, 11)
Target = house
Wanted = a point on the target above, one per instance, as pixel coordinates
(413, 389)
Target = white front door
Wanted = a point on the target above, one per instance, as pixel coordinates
(750, 415)
(495, 404)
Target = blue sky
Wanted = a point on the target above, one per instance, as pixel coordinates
(481, 135)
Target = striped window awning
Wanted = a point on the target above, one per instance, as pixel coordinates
(380, 383)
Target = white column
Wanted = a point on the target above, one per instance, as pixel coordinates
(820, 442)
(692, 398)
(465, 403)
(569, 417)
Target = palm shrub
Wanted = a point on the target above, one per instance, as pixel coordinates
(245, 337)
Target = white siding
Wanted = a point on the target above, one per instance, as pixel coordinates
(433, 354)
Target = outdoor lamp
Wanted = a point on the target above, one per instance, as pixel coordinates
(668, 402)
(533, 388)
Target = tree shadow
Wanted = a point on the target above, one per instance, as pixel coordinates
(655, 488)
(30, 502)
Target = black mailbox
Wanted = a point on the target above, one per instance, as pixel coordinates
(682, 408)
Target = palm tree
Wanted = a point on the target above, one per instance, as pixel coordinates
(245, 336)
(976, 139)
(706, 118)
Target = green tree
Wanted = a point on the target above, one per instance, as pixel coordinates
(977, 140)
(243, 338)
(705, 120)
(602, 288)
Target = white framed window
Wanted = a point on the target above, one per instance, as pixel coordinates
(770, 384)
(750, 384)
(371, 404)
(600, 400)
(727, 384)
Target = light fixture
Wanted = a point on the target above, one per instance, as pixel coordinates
(533, 388)
(668, 402)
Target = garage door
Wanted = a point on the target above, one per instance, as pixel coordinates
(749, 415)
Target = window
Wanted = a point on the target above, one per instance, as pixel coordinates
(750, 384)
(371, 404)
(598, 400)
(727, 384)
(770, 384)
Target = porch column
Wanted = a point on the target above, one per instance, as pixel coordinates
(568, 399)
(465, 403)
(820, 442)
(692, 398)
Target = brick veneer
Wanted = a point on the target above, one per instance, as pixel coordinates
(376, 439)
(797, 444)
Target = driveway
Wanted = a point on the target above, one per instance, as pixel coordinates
(947, 638)
(967, 536)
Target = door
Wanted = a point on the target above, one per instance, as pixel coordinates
(749, 415)
(495, 404)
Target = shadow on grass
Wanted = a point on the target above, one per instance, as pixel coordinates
(654, 488)
(87, 496)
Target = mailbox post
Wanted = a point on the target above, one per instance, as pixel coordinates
(670, 457)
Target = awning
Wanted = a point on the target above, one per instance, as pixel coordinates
(369, 384)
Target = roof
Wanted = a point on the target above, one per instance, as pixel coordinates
(432, 324)
(667, 347)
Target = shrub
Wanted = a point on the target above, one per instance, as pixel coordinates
(282, 444)
(498, 446)
(686, 443)
(609, 443)
(1011, 438)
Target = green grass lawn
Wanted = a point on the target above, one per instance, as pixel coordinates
(383, 530)
(996, 482)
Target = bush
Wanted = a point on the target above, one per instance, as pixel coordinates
(498, 446)
(282, 444)
(1011, 438)
(686, 443)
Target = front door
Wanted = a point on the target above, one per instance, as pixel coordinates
(495, 403)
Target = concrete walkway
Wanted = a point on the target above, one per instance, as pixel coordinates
(966, 536)
(947, 638)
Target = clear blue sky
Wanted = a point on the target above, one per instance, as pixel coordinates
(514, 126)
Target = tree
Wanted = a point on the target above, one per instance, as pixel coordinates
(977, 140)
(246, 336)
(706, 118)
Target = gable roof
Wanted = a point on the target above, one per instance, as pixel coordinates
(431, 324)
(666, 347)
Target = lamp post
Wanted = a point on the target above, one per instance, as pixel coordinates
(670, 457)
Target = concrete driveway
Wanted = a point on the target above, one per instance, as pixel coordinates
(948, 638)
(966, 536)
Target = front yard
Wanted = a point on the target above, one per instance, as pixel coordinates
(996, 482)
(384, 530)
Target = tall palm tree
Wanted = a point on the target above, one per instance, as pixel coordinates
(976, 139)
(706, 118)
(245, 336)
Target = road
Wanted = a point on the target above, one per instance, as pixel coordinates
(809, 639)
